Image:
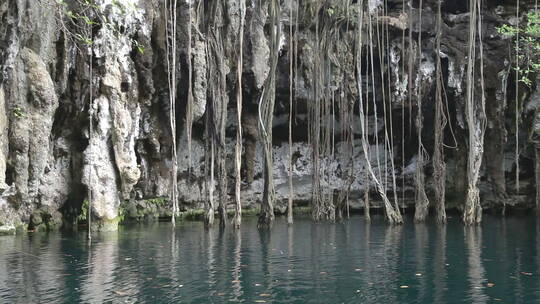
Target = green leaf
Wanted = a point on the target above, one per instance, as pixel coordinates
(71, 15)
(330, 11)
(18, 112)
(88, 20)
(508, 30)
(84, 39)
(526, 81)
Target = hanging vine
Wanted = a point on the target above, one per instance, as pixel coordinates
(266, 114)
(218, 101)
(439, 166)
(392, 213)
(516, 108)
(238, 148)
(421, 199)
(189, 105)
(315, 119)
(292, 72)
(364, 122)
(171, 17)
(475, 115)
(91, 131)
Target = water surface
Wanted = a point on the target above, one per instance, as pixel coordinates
(349, 262)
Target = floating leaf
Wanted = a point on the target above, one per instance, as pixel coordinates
(122, 293)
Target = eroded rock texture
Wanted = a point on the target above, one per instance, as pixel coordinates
(91, 123)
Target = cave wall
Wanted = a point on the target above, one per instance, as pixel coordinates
(55, 145)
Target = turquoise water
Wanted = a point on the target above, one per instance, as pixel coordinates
(349, 262)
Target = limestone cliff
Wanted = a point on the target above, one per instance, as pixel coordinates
(77, 119)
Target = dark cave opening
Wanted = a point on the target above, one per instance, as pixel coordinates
(455, 6)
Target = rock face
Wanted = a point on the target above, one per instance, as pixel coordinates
(3, 140)
(90, 121)
(110, 163)
(32, 103)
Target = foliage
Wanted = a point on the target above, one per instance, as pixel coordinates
(83, 15)
(192, 215)
(158, 201)
(341, 13)
(527, 45)
(18, 112)
(122, 211)
(83, 216)
(302, 210)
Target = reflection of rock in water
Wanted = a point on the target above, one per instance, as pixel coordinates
(421, 245)
(102, 271)
(33, 270)
(48, 266)
(8, 267)
(439, 265)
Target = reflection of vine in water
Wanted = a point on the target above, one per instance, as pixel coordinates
(439, 265)
(390, 253)
(237, 269)
(421, 238)
(476, 273)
